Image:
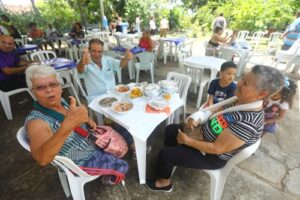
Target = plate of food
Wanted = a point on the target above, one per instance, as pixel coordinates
(158, 104)
(107, 101)
(135, 93)
(122, 106)
(122, 89)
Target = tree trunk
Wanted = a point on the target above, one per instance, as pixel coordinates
(35, 10)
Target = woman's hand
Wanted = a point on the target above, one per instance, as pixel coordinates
(76, 115)
(191, 123)
(183, 138)
(128, 55)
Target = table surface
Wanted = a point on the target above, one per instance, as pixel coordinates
(137, 118)
(175, 40)
(60, 63)
(26, 47)
(204, 62)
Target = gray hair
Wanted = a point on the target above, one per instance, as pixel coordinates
(269, 79)
(39, 71)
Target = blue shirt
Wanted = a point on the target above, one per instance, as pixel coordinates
(8, 60)
(98, 81)
(293, 32)
(221, 93)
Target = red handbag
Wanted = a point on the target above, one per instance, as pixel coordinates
(107, 139)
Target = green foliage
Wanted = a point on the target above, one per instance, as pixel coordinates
(179, 19)
(59, 13)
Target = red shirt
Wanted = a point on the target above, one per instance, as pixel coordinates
(145, 43)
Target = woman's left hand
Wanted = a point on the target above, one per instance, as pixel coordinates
(92, 124)
(182, 138)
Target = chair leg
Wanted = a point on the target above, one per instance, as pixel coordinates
(6, 107)
(77, 189)
(137, 75)
(216, 186)
(200, 95)
(152, 74)
(64, 183)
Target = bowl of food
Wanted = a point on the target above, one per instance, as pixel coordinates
(122, 89)
(151, 90)
(168, 86)
(107, 101)
(158, 104)
(122, 107)
(135, 93)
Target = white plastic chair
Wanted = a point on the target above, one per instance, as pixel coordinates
(274, 42)
(210, 50)
(72, 178)
(183, 83)
(232, 55)
(146, 63)
(4, 97)
(46, 55)
(198, 80)
(256, 39)
(115, 56)
(242, 35)
(218, 176)
(287, 56)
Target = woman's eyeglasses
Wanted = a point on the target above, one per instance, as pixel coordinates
(44, 87)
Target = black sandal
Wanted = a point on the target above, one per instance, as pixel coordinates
(151, 185)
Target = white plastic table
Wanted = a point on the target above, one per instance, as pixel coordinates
(206, 62)
(138, 123)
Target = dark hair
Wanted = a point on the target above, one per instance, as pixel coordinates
(77, 23)
(217, 29)
(31, 24)
(288, 92)
(95, 41)
(268, 79)
(227, 65)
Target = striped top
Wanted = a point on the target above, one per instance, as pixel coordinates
(293, 32)
(75, 147)
(246, 125)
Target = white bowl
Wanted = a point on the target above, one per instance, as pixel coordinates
(151, 90)
(168, 86)
(158, 104)
(122, 107)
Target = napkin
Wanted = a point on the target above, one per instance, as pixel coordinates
(166, 110)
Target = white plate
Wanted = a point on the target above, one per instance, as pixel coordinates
(122, 89)
(107, 101)
(122, 107)
(158, 104)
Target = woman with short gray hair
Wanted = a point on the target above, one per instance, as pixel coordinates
(223, 134)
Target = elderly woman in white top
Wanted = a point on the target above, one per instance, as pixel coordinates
(223, 135)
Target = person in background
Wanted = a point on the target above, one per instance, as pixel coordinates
(113, 26)
(223, 136)
(11, 66)
(119, 24)
(219, 21)
(50, 128)
(277, 105)
(138, 24)
(7, 24)
(233, 37)
(163, 27)
(152, 26)
(51, 35)
(223, 87)
(104, 23)
(146, 41)
(215, 41)
(77, 32)
(292, 33)
(37, 35)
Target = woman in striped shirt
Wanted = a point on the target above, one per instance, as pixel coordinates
(221, 136)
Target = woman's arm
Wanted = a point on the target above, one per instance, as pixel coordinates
(224, 143)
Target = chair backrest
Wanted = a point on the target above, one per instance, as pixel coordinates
(257, 36)
(209, 50)
(146, 59)
(22, 138)
(43, 55)
(230, 55)
(274, 39)
(243, 154)
(19, 42)
(112, 54)
(183, 83)
(242, 35)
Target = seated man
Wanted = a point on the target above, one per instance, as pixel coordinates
(11, 67)
(51, 125)
(98, 70)
(37, 35)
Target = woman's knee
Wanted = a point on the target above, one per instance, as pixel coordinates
(171, 132)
